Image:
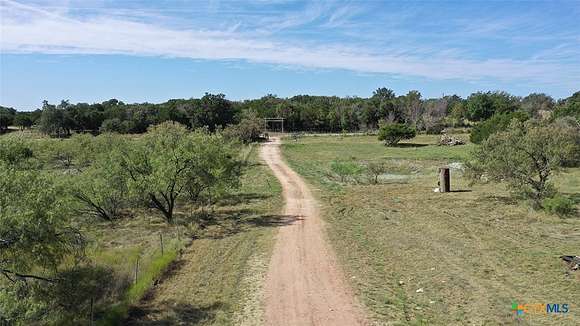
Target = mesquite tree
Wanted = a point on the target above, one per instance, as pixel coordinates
(172, 164)
(526, 156)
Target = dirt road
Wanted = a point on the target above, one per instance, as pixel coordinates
(304, 284)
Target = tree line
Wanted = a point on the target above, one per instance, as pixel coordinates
(301, 113)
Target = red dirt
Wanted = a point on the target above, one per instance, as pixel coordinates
(304, 283)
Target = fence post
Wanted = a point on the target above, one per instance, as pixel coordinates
(161, 242)
(136, 269)
(444, 179)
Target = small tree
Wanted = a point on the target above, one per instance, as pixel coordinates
(375, 169)
(172, 164)
(102, 188)
(247, 131)
(393, 133)
(525, 156)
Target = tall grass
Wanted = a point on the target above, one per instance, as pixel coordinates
(115, 314)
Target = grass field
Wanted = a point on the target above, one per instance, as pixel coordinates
(414, 256)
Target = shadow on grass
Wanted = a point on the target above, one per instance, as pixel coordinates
(462, 190)
(274, 220)
(172, 313)
(228, 222)
(408, 145)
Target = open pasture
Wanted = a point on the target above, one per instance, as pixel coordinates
(414, 256)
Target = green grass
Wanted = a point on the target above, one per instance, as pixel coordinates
(115, 314)
(472, 253)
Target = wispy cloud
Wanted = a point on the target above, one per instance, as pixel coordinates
(32, 29)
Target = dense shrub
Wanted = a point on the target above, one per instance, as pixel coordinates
(14, 151)
(247, 131)
(393, 133)
(558, 205)
(5, 121)
(498, 122)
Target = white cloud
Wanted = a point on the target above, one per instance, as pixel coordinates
(30, 29)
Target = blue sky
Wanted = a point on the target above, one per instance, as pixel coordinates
(137, 50)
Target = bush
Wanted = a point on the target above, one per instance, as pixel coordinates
(559, 205)
(393, 133)
(247, 131)
(498, 122)
(14, 151)
(375, 169)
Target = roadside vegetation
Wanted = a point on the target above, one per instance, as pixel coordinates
(218, 278)
(89, 224)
